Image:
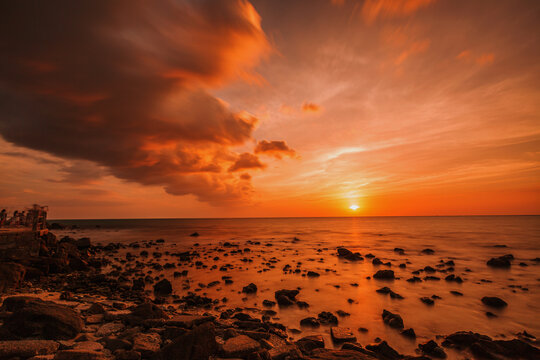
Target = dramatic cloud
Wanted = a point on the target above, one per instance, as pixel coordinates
(247, 161)
(277, 149)
(124, 85)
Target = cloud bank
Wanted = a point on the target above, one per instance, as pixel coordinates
(125, 85)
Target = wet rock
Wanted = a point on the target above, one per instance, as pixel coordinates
(309, 343)
(426, 300)
(432, 349)
(428, 251)
(195, 234)
(409, 333)
(27, 348)
(494, 301)
(286, 297)
(110, 328)
(399, 251)
(268, 303)
(96, 308)
(302, 304)
(384, 351)
(163, 288)
(501, 261)
(44, 319)
(250, 289)
(349, 255)
(384, 274)
(310, 322)
(342, 334)
(240, 346)
(147, 311)
(197, 344)
(313, 274)
(327, 318)
(146, 344)
(392, 320)
(11, 275)
(80, 355)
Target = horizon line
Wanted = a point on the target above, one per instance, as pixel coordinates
(288, 217)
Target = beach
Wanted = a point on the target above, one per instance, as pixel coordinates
(398, 282)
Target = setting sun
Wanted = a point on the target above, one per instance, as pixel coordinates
(354, 207)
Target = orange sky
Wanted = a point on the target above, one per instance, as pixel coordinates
(270, 108)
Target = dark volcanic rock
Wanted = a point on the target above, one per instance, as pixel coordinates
(163, 288)
(384, 274)
(11, 275)
(384, 351)
(327, 318)
(36, 318)
(250, 289)
(348, 254)
(494, 301)
(310, 322)
(197, 344)
(431, 348)
(392, 320)
(409, 333)
(483, 346)
(501, 261)
(308, 343)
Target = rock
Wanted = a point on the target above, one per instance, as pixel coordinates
(88, 346)
(147, 311)
(96, 308)
(501, 261)
(83, 243)
(188, 321)
(27, 348)
(310, 322)
(431, 348)
(427, 301)
(428, 251)
(308, 343)
(284, 352)
(286, 297)
(409, 333)
(147, 344)
(494, 301)
(268, 303)
(240, 346)
(250, 289)
(197, 344)
(384, 274)
(163, 288)
(348, 254)
(392, 320)
(109, 329)
(37, 318)
(384, 351)
(327, 318)
(313, 274)
(80, 355)
(331, 354)
(342, 334)
(11, 275)
(122, 354)
(195, 234)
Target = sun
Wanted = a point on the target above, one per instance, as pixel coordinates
(354, 207)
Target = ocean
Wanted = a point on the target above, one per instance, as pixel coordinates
(309, 244)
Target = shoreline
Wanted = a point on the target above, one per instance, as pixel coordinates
(111, 314)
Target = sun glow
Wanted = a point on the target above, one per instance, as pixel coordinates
(354, 207)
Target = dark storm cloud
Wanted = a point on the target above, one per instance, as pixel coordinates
(124, 84)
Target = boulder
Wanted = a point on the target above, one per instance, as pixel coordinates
(392, 320)
(11, 275)
(163, 288)
(308, 343)
(43, 319)
(250, 289)
(384, 275)
(432, 349)
(494, 301)
(342, 334)
(197, 344)
(27, 348)
(147, 344)
(80, 355)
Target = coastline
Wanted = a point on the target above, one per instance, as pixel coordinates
(95, 308)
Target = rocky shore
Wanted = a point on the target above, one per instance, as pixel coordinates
(79, 301)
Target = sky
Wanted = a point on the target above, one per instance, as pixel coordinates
(178, 108)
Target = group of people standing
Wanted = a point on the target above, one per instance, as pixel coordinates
(34, 217)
